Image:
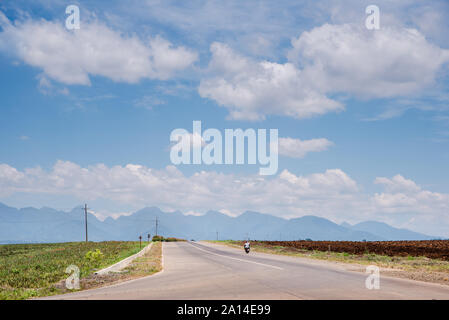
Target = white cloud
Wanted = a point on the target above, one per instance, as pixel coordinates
(397, 183)
(251, 90)
(424, 209)
(392, 62)
(389, 62)
(8, 177)
(72, 57)
(136, 185)
(395, 202)
(332, 194)
(166, 60)
(102, 215)
(404, 195)
(296, 148)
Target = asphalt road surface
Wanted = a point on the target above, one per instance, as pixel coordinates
(208, 271)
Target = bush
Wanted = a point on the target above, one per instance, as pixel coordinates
(171, 239)
(94, 257)
(158, 238)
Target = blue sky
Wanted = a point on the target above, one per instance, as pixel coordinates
(78, 123)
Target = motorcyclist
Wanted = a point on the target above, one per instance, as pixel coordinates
(246, 245)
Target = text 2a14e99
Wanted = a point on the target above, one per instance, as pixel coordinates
(253, 309)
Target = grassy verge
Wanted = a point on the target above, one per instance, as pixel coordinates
(416, 268)
(32, 270)
(148, 264)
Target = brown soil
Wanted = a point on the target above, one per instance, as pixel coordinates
(434, 249)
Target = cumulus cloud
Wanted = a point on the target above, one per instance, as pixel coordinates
(389, 62)
(397, 184)
(422, 210)
(72, 57)
(253, 89)
(404, 195)
(296, 148)
(331, 59)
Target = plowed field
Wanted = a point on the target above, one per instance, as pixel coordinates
(435, 249)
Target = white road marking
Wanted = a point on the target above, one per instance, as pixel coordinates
(249, 261)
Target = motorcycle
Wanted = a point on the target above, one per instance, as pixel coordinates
(246, 248)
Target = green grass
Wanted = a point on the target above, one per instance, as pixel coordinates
(32, 270)
(148, 264)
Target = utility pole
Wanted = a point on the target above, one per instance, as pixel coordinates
(85, 219)
(157, 222)
(217, 235)
(140, 241)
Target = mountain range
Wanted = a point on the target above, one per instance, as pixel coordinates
(50, 225)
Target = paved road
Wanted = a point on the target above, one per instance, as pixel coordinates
(208, 271)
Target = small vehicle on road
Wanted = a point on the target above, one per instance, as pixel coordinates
(246, 246)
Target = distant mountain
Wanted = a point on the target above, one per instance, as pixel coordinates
(388, 232)
(49, 225)
(345, 224)
(317, 228)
